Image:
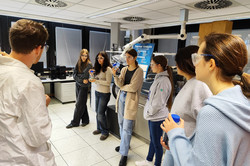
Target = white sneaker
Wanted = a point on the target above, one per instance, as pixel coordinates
(144, 163)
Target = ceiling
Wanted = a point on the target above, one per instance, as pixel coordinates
(100, 13)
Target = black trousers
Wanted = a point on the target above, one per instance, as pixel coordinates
(81, 110)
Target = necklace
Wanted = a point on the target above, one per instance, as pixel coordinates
(223, 88)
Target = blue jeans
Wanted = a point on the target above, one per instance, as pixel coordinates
(101, 102)
(155, 144)
(125, 125)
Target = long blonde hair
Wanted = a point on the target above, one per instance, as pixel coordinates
(82, 65)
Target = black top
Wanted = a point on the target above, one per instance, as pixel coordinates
(79, 77)
(128, 76)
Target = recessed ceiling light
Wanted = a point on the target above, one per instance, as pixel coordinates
(213, 4)
(134, 19)
(51, 3)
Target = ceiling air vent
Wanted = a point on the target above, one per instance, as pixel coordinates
(134, 19)
(213, 4)
(51, 3)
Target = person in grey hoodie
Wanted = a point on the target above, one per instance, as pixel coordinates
(222, 135)
(157, 107)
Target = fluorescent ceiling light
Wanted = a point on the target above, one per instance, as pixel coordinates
(122, 7)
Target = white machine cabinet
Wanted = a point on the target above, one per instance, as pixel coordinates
(65, 91)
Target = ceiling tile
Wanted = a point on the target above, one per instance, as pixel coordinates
(152, 15)
(101, 4)
(4, 3)
(200, 15)
(186, 1)
(39, 8)
(160, 5)
(169, 19)
(73, 1)
(232, 10)
(243, 2)
(25, 1)
(83, 9)
(123, 1)
(117, 15)
(135, 11)
(6, 8)
(69, 14)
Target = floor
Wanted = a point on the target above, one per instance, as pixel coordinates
(79, 147)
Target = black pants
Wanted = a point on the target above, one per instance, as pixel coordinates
(81, 110)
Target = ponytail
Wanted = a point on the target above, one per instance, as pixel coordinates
(170, 99)
(244, 83)
(136, 63)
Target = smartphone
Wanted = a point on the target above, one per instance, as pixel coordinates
(165, 138)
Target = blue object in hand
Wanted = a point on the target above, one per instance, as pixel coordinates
(176, 118)
(116, 65)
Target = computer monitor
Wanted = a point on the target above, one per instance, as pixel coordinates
(38, 68)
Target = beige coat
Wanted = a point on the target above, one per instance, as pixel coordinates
(133, 92)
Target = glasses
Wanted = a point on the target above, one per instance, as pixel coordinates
(152, 64)
(85, 55)
(129, 57)
(46, 47)
(196, 58)
(101, 58)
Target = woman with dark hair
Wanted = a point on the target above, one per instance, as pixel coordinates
(158, 107)
(81, 77)
(222, 134)
(103, 80)
(130, 83)
(189, 100)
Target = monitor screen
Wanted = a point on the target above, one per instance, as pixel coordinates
(38, 68)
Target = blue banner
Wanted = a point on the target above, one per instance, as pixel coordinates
(144, 54)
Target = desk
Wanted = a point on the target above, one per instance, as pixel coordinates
(64, 89)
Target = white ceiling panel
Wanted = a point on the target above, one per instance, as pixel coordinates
(135, 11)
(233, 10)
(160, 5)
(117, 15)
(186, 1)
(35, 12)
(14, 4)
(102, 4)
(69, 14)
(38, 8)
(25, 1)
(82, 9)
(153, 15)
(97, 13)
(73, 1)
(123, 1)
(174, 11)
(243, 2)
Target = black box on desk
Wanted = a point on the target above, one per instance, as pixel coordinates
(61, 72)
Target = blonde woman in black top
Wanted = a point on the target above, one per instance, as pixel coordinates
(81, 76)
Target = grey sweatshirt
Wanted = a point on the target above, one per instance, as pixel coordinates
(189, 101)
(156, 106)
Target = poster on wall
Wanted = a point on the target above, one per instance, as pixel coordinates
(144, 51)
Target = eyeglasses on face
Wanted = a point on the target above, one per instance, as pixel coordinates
(46, 47)
(129, 57)
(196, 58)
(85, 55)
(100, 57)
(152, 64)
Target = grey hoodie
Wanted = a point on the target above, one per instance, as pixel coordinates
(156, 106)
(222, 136)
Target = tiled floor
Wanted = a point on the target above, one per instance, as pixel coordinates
(79, 147)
